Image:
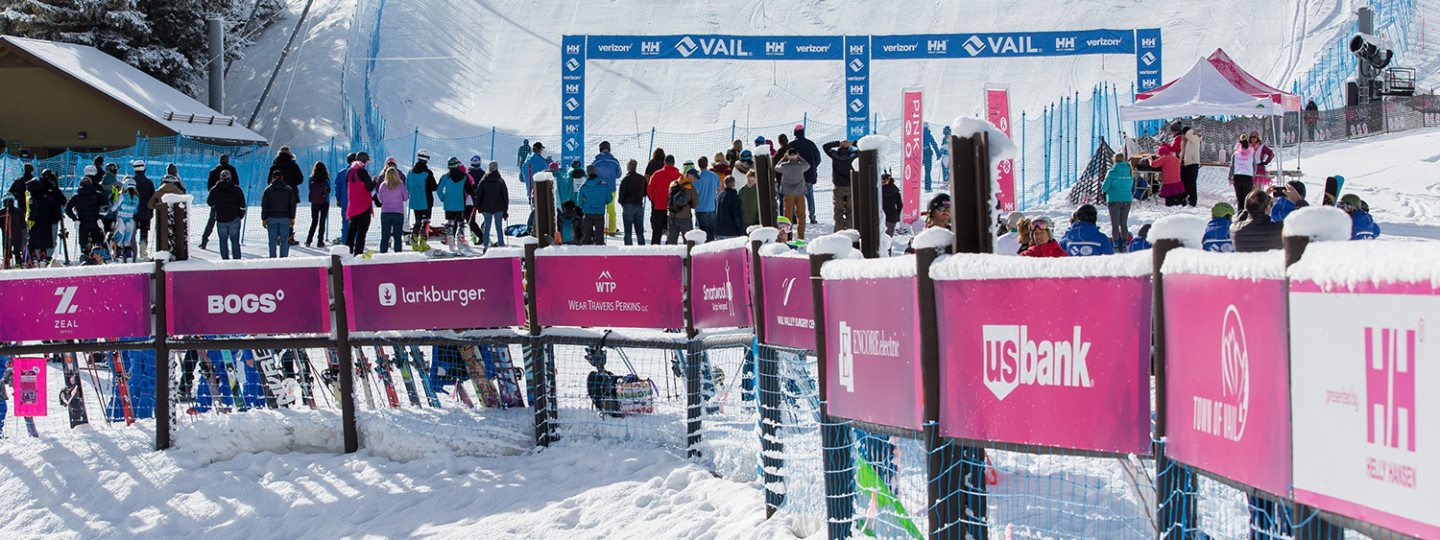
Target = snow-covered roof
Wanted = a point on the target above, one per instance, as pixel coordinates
(134, 89)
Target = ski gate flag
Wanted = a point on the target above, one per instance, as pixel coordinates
(432, 295)
(627, 291)
(912, 169)
(111, 306)
(248, 301)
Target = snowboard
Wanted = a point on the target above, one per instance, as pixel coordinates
(483, 386)
(227, 357)
(71, 396)
(414, 356)
(507, 376)
(1332, 190)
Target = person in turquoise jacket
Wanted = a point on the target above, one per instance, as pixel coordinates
(452, 195)
(420, 182)
(1119, 188)
(595, 196)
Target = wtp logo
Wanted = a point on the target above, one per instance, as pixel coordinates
(847, 357)
(67, 300)
(1065, 44)
(649, 47)
(387, 294)
(1390, 387)
(1234, 375)
(249, 303)
(974, 45)
(605, 283)
(1148, 58)
(1012, 359)
(572, 49)
(938, 46)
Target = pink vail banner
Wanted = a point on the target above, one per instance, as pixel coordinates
(1363, 402)
(912, 167)
(1226, 367)
(1061, 362)
(80, 307)
(248, 301)
(623, 291)
(430, 295)
(28, 375)
(997, 111)
(719, 288)
(789, 302)
(872, 351)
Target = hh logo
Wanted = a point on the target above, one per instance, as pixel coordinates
(774, 47)
(649, 47)
(1148, 58)
(67, 300)
(605, 283)
(1149, 83)
(857, 105)
(857, 89)
(572, 64)
(938, 46)
(1147, 43)
(387, 294)
(856, 65)
(571, 129)
(857, 49)
(1390, 387)
(1065, 44)
(847, 358)
(572, 49)
(1012, 359)
(572, 104)
(572, 89)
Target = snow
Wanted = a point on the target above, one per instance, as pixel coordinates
(765, 235)
(881, 268)
(695, 235)
(611, 251)
(780, 250)
(1001, 148)
(1189, 229)
(933, 238)
(1253, 266)
(1335, 264)
(177, 198)
(739, 242)
(203, 265)
(1319, 223)
(384, 258)
(852, 234)
(838, 245)
(988, 266)
(76, 271)
(877, 142)
(342, 250)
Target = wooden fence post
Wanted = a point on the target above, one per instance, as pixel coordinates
(342, 350)
(768, 372)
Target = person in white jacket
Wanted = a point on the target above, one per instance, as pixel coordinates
(1009, 243)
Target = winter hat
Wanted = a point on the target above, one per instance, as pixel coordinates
(1222, 209)
(423, 155)
(537, 147)
(1040, 224)
(129, 184)
(363, 157)
(1013, 220)
(799, 129)
(745, 155)
(604, 146)
(1163, 150)
(1352, 201)
(226, 174)
(112, 167)
(277, 175)
(138, 165)
(390, 161)
(453, 162)
(1086, 213)
(554, 166)
(940, 202)
(90, 170)
(1299, 187)
(172, 170)
(693, 172)
(475, 161)
(759, 141)
(494, 166)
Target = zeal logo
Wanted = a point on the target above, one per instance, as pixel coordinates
(1390, 387)
(1225, 417)
(1012, 359)
(67, 304)
(248, 303)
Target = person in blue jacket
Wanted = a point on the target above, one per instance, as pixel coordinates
(1119, 186)
(1083, 238)
(1217, 232)
(1141, 241)
(1362, 226)
(595, 195)
(342, 198)
(535, 164)
(420, 182)
(708, 187)
(608, 167)
(451, 190)
(1287, 200)
(930, 149)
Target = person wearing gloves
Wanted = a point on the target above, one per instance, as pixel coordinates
(277, 211)
(658, 189)
(708, 186)
(1119, 188)
(1217, 232)
(1362, 226)
(1083, 238)
(1242, 169)
(792, 169)
(127, 205)
(891, 201)
(1009, 243)
(811, 154)
(750, 192)
(608, 167)
(729, 222)
(842, 155)
(227, 205)
(451, 190)
(144, 189)
(1171, 188)
(1042, 243)
(360, 210)
(595, 195)
(1293, 200)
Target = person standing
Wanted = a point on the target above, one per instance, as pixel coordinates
(293, 176)
(524, 153)
(632, 203)
(1242, 169)
(891, 201)
(420, 181)
(1119, 188)
(681, 201)
(169, 184)
(595, 195)
(126, 205)
(749, 194)
(392, 195)
(452, 197)
(1171, 187)
(210, 181)
(811, 154)
(319, 202)
(144, 188)
(659, 188)
(535, 164)
(227, 206)
(729, 222)
(1187, 146)
(842, 155)
(492, 200)
(17, 212)
(277, 211)
(927, 143)
(342, 199)
(87, 208)
(1263, 156)
(360, 210)
(609, 170)
(707, 186)
(44, 213)
(792, 170)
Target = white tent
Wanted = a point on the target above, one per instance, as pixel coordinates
(1202, 91)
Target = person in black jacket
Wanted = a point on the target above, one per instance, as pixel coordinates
(492, 200)
(15, 213)
(45, 213)
(144, 188)
(891, 201)
(1258, 232)
(277, 211)
(842, 154)
(294, 177)
(632, 203)
(87, 208)
(319, 193)
(729, 222)
(811, 154)
(227, 209)
(210, 182)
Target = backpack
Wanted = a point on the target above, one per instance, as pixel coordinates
(677, 197)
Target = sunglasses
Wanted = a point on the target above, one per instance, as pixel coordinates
(1039, 226)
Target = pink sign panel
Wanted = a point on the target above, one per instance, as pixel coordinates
(789, 302)
(997, 111)
(248, 301)
(623, 291)
(913, 168)
(872, 351)
(1048, 371)
(452, 293)
(29, 378)
(719, 288)
(1226, 360)
(78, 307)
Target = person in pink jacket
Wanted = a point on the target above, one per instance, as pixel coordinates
(359, 186)
(1170, 186)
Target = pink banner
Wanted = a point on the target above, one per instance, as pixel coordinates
(79, 307)
(431, 295)
(29, 379)
(1036, 365)
(997, 110)
(789, 303)
(622, 291)
(913, 168)
(248, 301)
(720, 288)
(872, 351)
(1226, 361)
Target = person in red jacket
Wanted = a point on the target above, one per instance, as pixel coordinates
(1043, 243)
(659, 190)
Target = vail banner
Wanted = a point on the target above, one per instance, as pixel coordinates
(720, 288)
(1364, 407)
(623, 291)
(857, 87)
(1147, 59)
(1226, 364)
(1052, 373)
(1010, 44)
(912, 171)
(709, 46)
(789, 302)
(872, 351)
(572, 99)
(77, 307)
(248, 301)
(436, 294)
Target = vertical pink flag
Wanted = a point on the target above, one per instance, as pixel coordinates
(997, 110)
(29, 377)
(913, 171)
